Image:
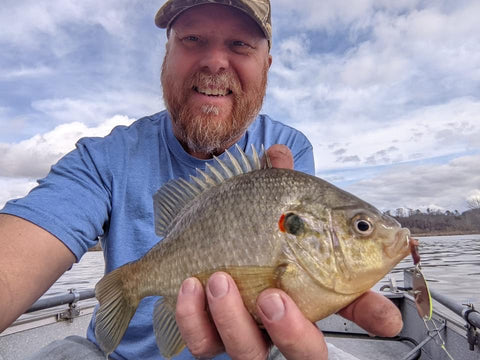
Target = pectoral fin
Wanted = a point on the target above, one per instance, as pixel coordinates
(358, 283)
(315, 301)
(169, 340)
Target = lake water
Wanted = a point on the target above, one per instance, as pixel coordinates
(451, 265)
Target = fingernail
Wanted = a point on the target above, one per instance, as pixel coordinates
(272, 306)
(282, 149)
(188, 286)
(218, 285)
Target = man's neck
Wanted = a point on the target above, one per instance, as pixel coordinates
(205, 156)
(200, 155)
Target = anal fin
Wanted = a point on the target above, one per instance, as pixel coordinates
(167, 334)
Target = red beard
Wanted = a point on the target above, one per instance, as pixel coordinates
(210, 130)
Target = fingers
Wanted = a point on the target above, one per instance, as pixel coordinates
(233, 329)
(239, 332)
(294, 335)
(280, 156)
(375, 314)
(193, 321)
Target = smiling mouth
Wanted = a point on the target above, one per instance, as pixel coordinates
(212, 92)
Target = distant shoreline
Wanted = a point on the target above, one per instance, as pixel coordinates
(446, 233)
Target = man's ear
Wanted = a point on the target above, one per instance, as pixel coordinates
(270, 59)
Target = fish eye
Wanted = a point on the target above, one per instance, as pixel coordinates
(363, 227)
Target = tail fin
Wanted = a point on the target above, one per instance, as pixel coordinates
(116, 310)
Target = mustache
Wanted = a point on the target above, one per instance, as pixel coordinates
(224, 80)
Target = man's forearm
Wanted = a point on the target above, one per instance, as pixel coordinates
(31, 260)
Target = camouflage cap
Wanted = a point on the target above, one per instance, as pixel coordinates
(258, 10)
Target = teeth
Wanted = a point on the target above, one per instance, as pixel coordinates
(213, 92)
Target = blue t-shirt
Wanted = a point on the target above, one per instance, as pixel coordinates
(103, 189)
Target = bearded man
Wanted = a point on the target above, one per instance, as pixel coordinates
(214, 79)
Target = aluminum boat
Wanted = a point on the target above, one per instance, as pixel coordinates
(452, 332)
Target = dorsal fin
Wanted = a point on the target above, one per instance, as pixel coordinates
(268, 162)
(175, 195)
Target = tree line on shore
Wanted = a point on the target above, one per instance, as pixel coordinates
(438, 222)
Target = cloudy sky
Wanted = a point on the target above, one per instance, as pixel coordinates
(388, 92)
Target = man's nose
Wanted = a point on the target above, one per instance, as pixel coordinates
(215, 59)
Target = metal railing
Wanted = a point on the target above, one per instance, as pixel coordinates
(71, 298)
(465, 311)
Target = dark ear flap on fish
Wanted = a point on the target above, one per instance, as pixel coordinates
(308, 246)
(291, 223)
(175, 195)
(167, 334)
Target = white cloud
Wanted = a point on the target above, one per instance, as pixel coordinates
(14, 188)
(423, 133)
(444, 186)
(409, 53)
(474, 194)
(35, 19)
(33, 157)
(95, 107)
(329, 14)
(403, 87)
(89, 110)
(23, 71)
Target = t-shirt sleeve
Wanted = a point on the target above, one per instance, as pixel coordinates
(74, 201)
(303, 156)
(267, 132)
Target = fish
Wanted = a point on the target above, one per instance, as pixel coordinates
(267, 227)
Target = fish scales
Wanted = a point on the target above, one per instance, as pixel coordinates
(226, 226)
(267, 228)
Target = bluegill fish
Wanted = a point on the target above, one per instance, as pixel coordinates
(266, 227)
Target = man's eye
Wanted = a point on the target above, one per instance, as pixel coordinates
(239, 43)
(191, 38)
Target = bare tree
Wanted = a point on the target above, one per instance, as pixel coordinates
(400, 212)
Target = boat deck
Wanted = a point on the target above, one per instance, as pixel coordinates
(367, 349)
(33, 331)
(346, 340)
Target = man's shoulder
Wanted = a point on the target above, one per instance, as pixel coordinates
(147, 125)
(266, 131)
(265, 121)
(143, 129)
(277, 129)
(151, 121)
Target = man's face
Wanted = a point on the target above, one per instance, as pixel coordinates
(214, 77)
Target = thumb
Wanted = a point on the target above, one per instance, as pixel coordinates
(280, 156)
(294, 335)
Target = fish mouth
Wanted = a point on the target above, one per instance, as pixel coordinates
(401, 245)
(414, 250)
